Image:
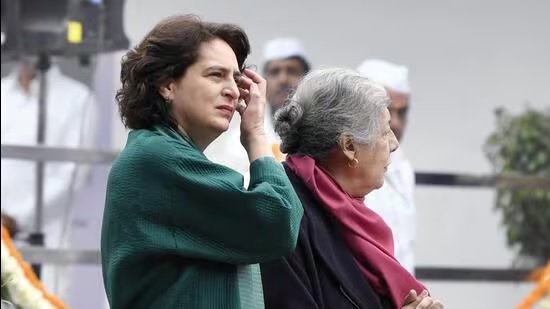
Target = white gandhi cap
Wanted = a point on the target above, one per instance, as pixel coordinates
(283, 48)
(392, 76)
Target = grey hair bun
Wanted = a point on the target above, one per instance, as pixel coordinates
(287, 120)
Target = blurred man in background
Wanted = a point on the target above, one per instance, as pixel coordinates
(70, 122)
(395, 200)
(285, 63)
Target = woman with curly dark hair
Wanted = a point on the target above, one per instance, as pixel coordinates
(178, 230)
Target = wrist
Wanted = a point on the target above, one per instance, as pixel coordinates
(254, 138)
(257, 146)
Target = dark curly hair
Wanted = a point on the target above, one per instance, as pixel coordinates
(164, 54)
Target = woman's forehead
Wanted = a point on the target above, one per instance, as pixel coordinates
(219, 53)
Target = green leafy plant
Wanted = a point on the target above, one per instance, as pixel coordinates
(521, 146)
(5, 295)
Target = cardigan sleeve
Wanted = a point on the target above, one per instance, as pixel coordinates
(214, 217)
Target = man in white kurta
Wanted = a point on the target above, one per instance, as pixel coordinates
(70, 122)
(394, 202)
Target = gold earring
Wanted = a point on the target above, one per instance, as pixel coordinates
(353, 163)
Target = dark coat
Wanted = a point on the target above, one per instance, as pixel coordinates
(321, 273)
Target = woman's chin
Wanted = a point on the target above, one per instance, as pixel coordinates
(221, 126)
(379, 184)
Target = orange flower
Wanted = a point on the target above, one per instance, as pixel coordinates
(542, 287)
(27, 271)
(276, 149)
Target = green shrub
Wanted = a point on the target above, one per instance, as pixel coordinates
(521, 146)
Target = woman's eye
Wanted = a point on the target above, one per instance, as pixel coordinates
(216, 74)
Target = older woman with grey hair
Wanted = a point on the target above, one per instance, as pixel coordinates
(336, 132)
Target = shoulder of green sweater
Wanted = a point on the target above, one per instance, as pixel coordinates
(160, 139)
(158, 146)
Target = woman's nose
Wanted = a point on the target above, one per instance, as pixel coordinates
(232, 91)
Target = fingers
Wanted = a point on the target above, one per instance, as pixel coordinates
(430, 303)
(257, 78)
(422, 301)
(425, 303)
(411, 297)
(244, 94)
(248, 88)
(252, 89)
(245, 82)
(241, 106)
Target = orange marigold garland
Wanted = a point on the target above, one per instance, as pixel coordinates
(542, 289)
(22, 284)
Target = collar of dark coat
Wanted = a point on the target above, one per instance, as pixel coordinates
(331, 249)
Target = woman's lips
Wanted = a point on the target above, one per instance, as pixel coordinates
(226, 110)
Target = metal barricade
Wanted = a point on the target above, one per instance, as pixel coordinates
(91, 156)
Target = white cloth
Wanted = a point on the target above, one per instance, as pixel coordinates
(227, 148)
(70, 122)
(268, 126)
(392, 76)
(394, 202)
(282, 48)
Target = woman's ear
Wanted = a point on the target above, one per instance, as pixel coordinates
(166, 90)
(345, 142)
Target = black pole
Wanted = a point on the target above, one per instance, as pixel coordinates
(37, 237)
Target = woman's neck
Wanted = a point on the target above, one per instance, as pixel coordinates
(199, 141)
(341, 173)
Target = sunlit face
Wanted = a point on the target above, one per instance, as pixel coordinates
(204, 99)
(398, 111)
(374, 158)
(282, 76)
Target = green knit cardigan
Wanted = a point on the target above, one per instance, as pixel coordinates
(180, 231)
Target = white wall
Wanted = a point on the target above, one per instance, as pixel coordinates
(465, 58)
